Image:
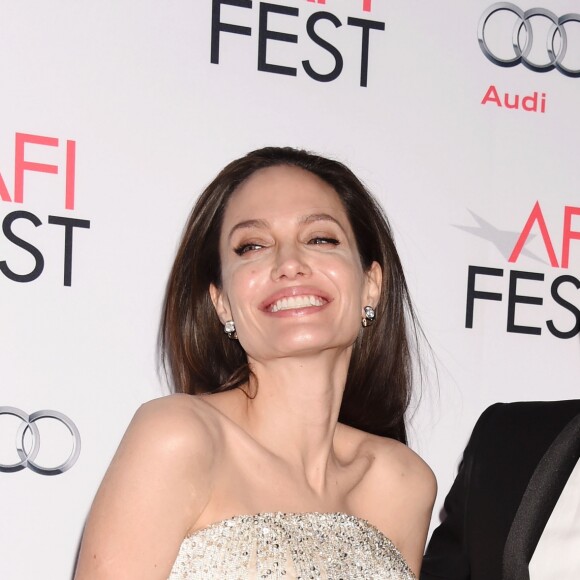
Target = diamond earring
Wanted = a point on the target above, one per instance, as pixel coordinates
(230, 329)
(369, 316)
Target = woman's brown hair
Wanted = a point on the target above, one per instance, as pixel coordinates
(200, 358)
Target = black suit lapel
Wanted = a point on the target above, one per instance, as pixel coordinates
(539, 500)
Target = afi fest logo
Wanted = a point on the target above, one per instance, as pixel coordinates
(526, 287)
(17, 225)
(280, 25)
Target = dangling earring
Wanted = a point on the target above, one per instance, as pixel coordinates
(230, 329)
(369, 316)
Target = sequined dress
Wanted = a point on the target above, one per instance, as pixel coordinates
(288, 546)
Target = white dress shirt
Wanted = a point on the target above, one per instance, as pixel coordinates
(557, 555)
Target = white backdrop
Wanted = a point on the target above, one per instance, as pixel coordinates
(121, 105)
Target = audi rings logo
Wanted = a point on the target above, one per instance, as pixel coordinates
(28, 441)
(556, 42)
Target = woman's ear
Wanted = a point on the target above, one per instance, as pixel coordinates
(373, 285)
(220, 303)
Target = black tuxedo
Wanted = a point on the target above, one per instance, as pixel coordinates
(514, 468)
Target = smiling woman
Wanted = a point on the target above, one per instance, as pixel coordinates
(381, 363)
(286, 330)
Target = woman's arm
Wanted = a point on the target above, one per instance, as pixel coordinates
(399, 496)
(154, 490)
(416, 491)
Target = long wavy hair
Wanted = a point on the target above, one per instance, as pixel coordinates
(199, 358)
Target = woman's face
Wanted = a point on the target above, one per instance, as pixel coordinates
(292, 279)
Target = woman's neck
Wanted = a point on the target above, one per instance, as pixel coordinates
(295, 409)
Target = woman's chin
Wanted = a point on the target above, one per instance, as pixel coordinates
(302, 345)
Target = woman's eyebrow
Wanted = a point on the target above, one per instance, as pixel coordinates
(320, 217)
(260, 224)
(263, 224)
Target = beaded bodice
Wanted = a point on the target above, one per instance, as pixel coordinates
(289, 546)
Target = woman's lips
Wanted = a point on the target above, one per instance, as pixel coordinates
(293, 302)
(295, 298)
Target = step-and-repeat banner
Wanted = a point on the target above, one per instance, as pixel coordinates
(462, 117)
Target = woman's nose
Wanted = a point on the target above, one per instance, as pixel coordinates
(290, 263)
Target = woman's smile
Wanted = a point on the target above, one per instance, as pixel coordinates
(295, 299)
(298, 302)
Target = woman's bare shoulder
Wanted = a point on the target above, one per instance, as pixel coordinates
(186, 411)
(391, 462)
(396, 494)
(408, 473)
(402, 474)
(179, 425)
(158, 483)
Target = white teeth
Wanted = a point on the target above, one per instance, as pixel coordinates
(296, 302)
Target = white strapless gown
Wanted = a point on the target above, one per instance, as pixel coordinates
(287, 546)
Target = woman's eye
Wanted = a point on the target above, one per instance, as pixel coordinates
(321, 240)
(244, 248)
